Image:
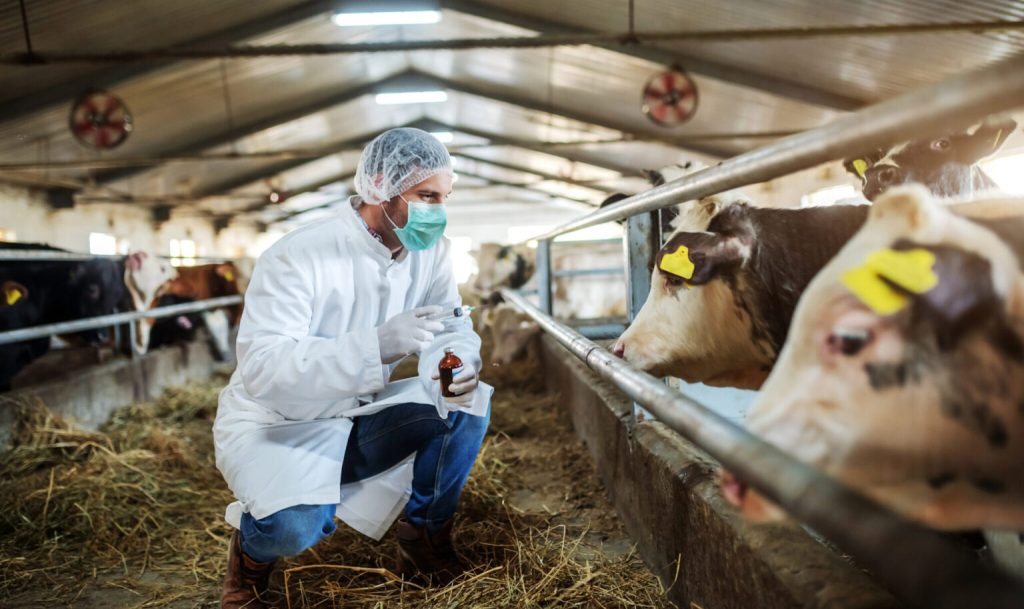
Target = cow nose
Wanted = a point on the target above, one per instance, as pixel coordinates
(889, 175)
(619, 349)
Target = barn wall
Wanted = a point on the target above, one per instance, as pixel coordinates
(25, 211)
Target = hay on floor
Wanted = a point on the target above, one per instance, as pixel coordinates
(132, 516)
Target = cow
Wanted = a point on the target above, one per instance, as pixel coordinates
(946, 164)
(209, 281)
(903, 374)
(512, 332)
(146, 278)
(182, 328)
(725, 285)
(46, 292)
(658, 177)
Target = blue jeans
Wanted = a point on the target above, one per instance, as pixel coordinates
(445, 453)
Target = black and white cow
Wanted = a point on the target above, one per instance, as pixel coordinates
(947, 165)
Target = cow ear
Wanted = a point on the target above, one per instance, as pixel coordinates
(963, 300)
(858, 166)
(985, 141)
(227, 271)
(653, 176)
(13, 293)
(697, 258)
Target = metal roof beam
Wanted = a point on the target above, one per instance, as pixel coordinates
(111, 76)
(542, 174)
(226, 137)
(537, 106)
(711, 69)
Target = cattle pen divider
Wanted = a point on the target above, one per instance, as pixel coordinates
(116, 319)
(917, 565)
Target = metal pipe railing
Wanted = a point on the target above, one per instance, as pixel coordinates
(953, 103)
(19, 255)
(912, 561)
(103, 321)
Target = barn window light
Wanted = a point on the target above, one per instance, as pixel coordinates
(8, 234)
(387, 12)
(1007, 171)
(183, 252)
(829, 195)
(102, 244)
(412, 97)
(444, 137)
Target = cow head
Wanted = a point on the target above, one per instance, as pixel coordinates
(946, 164)
(511, 333)
(501, 266)
(903, 372)
(226, 282)
(95, 288)
(694, 289)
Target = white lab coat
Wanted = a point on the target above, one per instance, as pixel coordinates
(309, 360)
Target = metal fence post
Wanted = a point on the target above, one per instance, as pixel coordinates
(544, 275)
(642, 241)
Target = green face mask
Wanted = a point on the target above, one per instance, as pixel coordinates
(424, 227)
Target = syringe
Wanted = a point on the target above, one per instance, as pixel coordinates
(453, 313)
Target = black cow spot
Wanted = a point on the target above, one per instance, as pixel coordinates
(940, 480)
(885, 375)
(989, 485)
(989, 424)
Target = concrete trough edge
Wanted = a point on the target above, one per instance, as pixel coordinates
(91, 395)
(665, 491)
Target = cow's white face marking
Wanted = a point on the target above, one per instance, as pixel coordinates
(936, 435)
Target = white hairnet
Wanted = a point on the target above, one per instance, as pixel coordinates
(397, 160)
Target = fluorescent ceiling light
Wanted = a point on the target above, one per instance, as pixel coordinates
(386, 18)
(444, 137)
(412, 97)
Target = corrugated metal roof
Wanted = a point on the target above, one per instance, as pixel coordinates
(583, 94)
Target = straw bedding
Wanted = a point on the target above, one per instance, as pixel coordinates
(132, 516)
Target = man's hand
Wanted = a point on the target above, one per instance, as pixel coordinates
(464, 384)
(407, 333)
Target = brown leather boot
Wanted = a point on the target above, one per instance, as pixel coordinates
(427, 556)
(246, 580)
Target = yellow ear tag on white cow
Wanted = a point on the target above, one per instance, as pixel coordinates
(910, 270)
(678, 263)
(12, 296)
(861, 166)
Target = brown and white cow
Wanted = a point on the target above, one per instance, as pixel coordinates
(725, 285)
(512, 333)
(145, 278)
(903, 374)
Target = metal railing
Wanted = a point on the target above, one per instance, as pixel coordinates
(912, 561)
(26, 255)
(115, 319)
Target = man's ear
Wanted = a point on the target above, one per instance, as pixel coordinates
(11, 293)
(985, 141)
(963, 300)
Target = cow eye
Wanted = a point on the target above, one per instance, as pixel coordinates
(940, 145)
(673, 281)
(848, 341)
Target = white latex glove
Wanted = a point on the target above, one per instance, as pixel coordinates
(464, 383)
(407, 333)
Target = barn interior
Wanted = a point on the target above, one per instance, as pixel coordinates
(201, 133)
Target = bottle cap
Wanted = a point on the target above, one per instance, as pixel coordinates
(449, 350)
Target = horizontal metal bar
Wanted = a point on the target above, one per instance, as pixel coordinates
(103, 321)
(602, 332)
(50, 57)
(958, 101)
(913, 562)
(585, 272)
(17, 255)
(574, 242)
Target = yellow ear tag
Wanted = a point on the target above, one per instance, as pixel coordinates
(678, 263)
(13, 296)
(229, 275)
(910, 270)
(861, 167)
